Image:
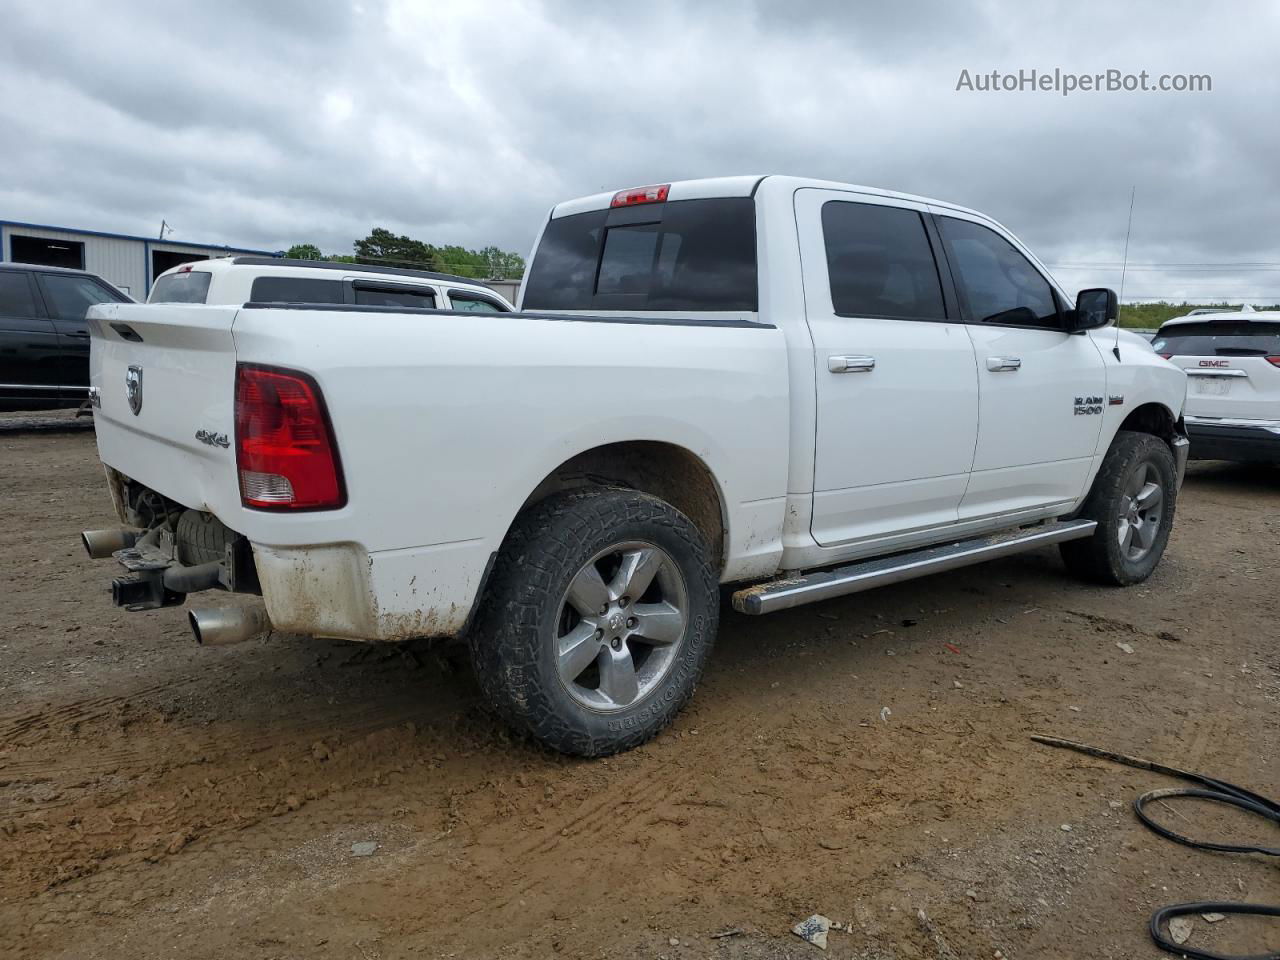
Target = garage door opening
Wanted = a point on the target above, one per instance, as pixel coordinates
(162, 260)
(46, 252)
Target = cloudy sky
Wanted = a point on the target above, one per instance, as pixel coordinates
(264, 124)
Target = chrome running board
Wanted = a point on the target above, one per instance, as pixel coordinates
(867, 574)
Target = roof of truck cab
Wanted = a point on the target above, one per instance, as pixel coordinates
(228, 263)
(352, 268)
(747, 186)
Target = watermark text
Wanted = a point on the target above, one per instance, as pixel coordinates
(1066, 83)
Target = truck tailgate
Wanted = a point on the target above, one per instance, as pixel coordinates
(164, 380)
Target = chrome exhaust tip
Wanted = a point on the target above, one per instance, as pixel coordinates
(223, 626)
(100, 544)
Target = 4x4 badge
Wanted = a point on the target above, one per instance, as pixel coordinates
(209, 438)
(133, 388)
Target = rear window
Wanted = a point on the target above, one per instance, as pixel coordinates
(690, 255)
(296, 290)
(191, 286)
(1220, 338)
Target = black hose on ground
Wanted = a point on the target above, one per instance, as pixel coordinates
(1215, 791)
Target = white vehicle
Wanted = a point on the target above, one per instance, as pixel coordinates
(799, 387)
(238, 280)
(1232, 361)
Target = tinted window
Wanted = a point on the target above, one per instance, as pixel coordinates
(391, 297)
(296, 290)
(69, 297)
(880, 262)
(998, 283)
(690, 255)
(189, 287)
(473, 303)
(1220, 338)
(15, 295)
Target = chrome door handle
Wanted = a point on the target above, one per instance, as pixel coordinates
(851, 364)
(999, 364)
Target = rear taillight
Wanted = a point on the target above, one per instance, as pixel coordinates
(284, 442)
(654, 194)
(1167, 356)
(1274, 361)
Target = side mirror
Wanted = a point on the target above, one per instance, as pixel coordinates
(1095, 308)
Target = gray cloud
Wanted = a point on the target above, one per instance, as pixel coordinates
(266, 124)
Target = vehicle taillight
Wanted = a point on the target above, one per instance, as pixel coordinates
(1167, 356)
(654, 194)
(285, 450)
(1274, 361)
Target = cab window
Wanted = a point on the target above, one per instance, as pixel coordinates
(880, 262)
(69, 297)
(996, 282)
(474, 303)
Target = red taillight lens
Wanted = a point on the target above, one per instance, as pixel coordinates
(654, 194)
(1274, 361)
(284, 442)
(1167, 356)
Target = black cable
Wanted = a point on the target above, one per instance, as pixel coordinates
(1164, 914)
(1214, 791)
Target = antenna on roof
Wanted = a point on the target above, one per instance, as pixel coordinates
(163, 228)
(1124, 267)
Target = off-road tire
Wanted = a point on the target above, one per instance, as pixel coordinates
(513, 639)
(1099, 558)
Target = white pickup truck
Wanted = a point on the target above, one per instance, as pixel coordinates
(798, 387)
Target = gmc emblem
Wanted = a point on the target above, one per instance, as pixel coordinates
(1215, 363)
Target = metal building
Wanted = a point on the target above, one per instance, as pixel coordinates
(130, 263)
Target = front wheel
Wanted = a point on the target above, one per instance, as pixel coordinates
(1132, 500)
(600, 613)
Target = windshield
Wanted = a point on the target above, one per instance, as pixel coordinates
(190, 286)
(690, 255)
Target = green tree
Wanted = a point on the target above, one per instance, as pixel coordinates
(304, 251)
(384, 248)
(501, 264)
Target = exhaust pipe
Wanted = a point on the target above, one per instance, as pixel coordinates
(223, 626)
(100, 544)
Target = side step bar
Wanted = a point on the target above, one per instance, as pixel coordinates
(867, 574)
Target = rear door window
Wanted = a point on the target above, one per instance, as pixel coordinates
(69, 297)
(296, 290)
(378, 295)
(996, 281)
(684, 255)
(191, 286)
(16, 298)
(880, 262)
(1219, 338)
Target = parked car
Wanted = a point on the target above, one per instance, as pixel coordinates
(1232, 361)
(801, 388)
(237, 280)
(44, 339)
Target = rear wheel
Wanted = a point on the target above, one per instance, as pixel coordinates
(600, 613)
(1132, 500)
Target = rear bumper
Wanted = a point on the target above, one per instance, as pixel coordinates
(1246, 441)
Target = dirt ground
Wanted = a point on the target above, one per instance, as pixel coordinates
(866, 759)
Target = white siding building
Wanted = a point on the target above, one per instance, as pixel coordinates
(130, 263)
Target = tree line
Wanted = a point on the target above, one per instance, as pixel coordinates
(385, 249)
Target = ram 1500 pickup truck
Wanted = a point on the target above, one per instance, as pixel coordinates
(796, 387)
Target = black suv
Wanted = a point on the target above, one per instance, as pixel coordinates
(44, 340)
